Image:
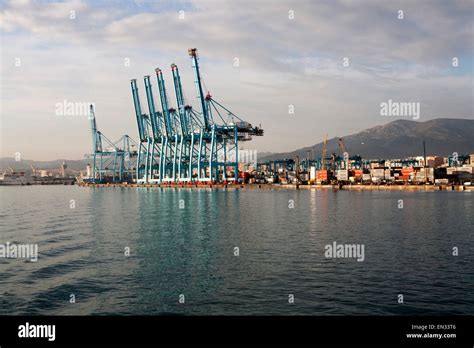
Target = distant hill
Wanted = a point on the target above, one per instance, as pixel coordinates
(399, 139)
(265, 154)
(55, 164)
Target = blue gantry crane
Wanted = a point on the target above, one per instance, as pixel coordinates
(184, 144)
(111, 161)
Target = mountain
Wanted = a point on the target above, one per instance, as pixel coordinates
(399, 139)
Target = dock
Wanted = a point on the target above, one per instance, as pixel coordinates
(287, 186)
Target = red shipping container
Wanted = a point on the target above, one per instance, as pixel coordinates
(322, 174)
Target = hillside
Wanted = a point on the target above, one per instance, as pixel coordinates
(399, 139)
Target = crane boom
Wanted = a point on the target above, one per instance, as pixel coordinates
(197, 80)
(138, 110)
(180, 99)
(154, 116)
(342, 146)
(96, 139)
(325, 143)
(164, 102)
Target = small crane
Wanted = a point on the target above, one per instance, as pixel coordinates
(342, 146)
(343, 149)
(33, 170)
(325, 148)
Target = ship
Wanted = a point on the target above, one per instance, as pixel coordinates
(16, 178)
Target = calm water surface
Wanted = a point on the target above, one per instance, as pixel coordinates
(190, 251)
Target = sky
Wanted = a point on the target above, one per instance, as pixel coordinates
(300, 69)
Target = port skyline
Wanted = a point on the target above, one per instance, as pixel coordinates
(239, 165)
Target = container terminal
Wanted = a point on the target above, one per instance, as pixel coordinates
(184, 146)
(440, 173)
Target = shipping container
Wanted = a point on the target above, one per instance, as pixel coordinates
(377, 172)
(304, 177)
(312, 173)
(456, 170)
(424, 172)
(342, 175)
(442, 181)
(244, 175)
(322, 174)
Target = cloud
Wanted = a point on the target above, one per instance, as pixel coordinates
(283, 61)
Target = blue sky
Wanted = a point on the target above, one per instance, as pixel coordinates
(283, 62)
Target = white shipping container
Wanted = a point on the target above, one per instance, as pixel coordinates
(377, 173)
(425, 172)
(441, 181)
(457, 170)
(342, 175)
(467, 169)
(312, 173)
